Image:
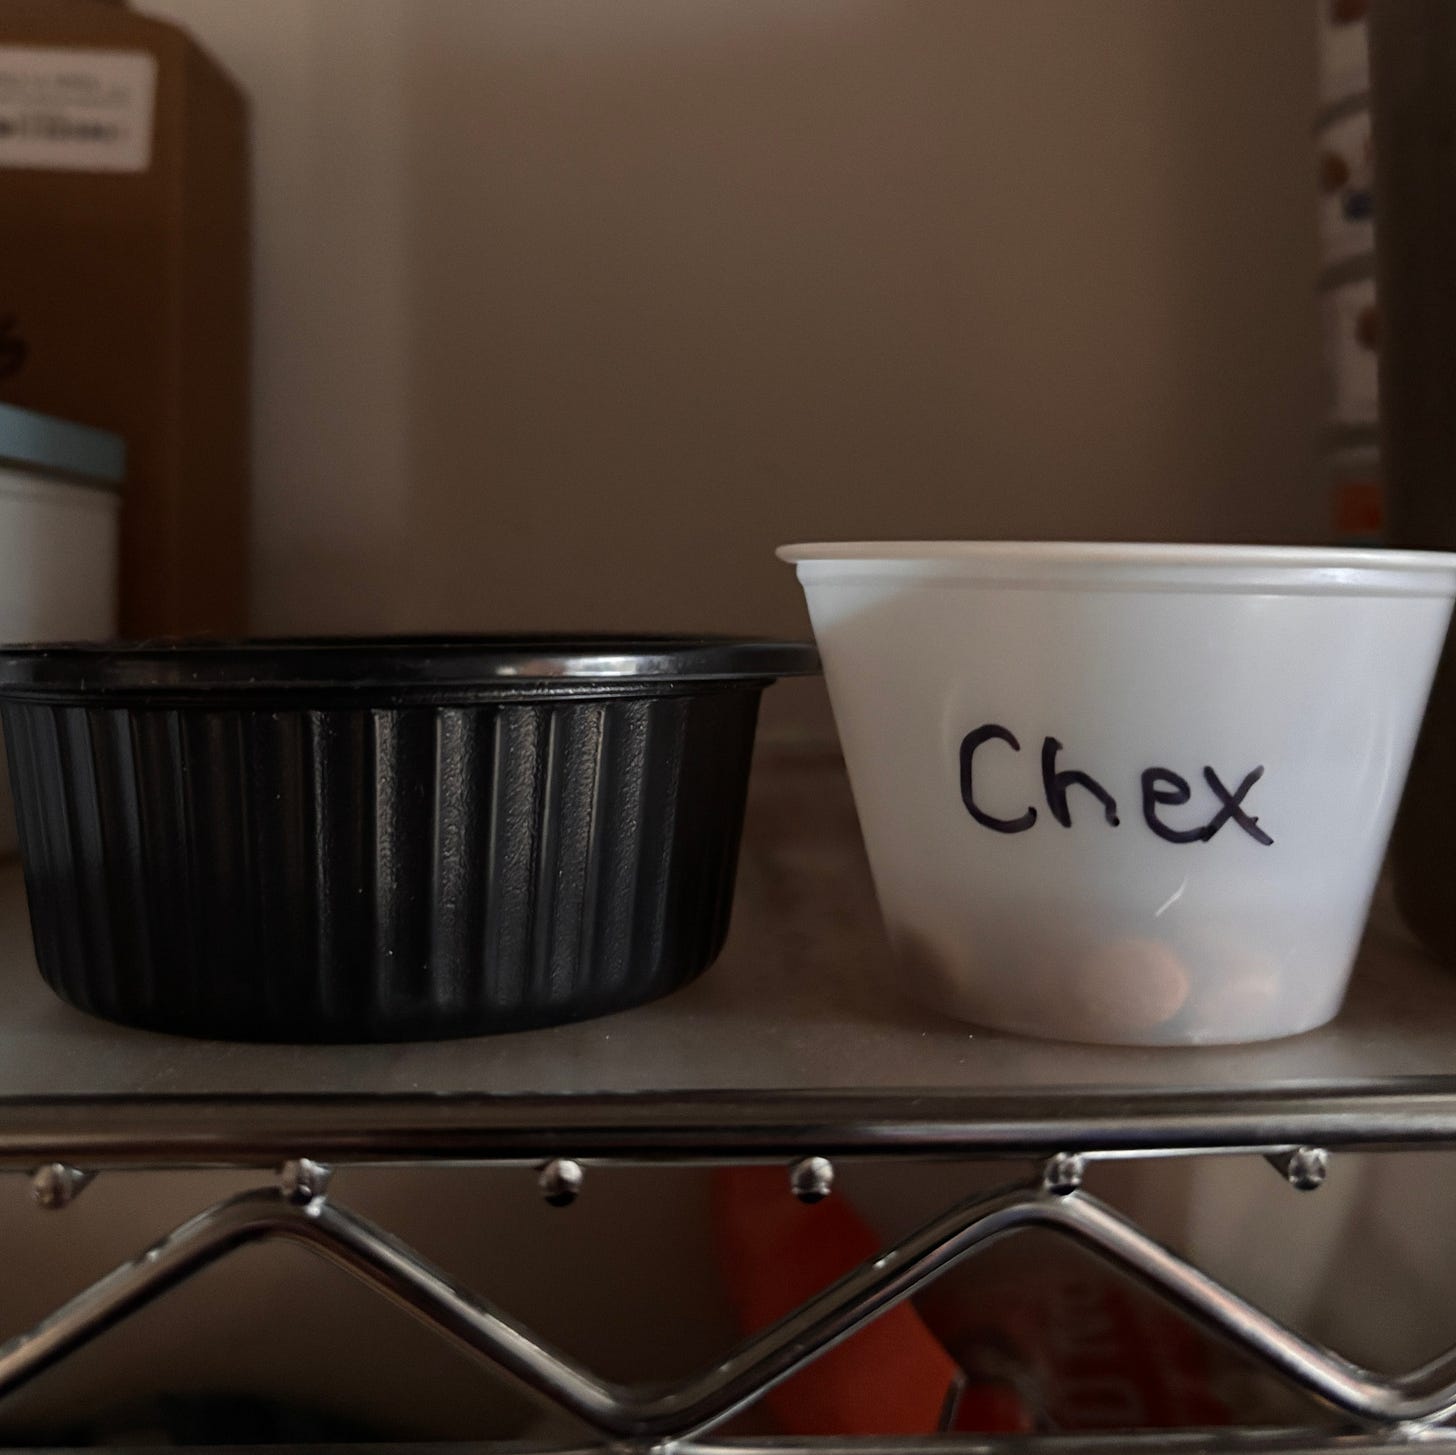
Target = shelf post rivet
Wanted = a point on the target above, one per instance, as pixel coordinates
(1063, 1173)
(302, 1180)
(560, 1181)
(811, 1179)
(57, 1185)
(1305, 1168)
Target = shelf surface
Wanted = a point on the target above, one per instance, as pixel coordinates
(795, 1039)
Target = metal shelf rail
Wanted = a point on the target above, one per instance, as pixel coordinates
(297, 1207)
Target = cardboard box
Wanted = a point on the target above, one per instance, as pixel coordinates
(124, 284)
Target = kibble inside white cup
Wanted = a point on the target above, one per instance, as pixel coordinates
(1126, 793)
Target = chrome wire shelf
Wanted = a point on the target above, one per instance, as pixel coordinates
(748, 1065)
(298, 1209)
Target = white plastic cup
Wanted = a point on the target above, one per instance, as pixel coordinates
(1243, 716)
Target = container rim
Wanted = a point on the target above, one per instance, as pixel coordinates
(1123, 566)
(427, 663)
(61, 447)
(1131, 553)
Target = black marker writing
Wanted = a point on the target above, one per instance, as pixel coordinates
(1162, 789)
(1232, 805)
(1177, 792)
(1056, 784)
(969, 744)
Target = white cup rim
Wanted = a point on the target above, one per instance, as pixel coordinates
(1134, 566)
(1130, 553)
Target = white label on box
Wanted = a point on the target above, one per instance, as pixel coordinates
(73, 110)
(1352, 360)
(1347, 189)
(1344, 50)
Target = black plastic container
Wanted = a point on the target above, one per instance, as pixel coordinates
(340, 840)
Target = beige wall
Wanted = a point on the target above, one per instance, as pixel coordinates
(569, 312)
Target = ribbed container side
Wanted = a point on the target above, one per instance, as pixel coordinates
(348, 873)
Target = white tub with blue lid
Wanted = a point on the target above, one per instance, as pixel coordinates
(60, 518)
